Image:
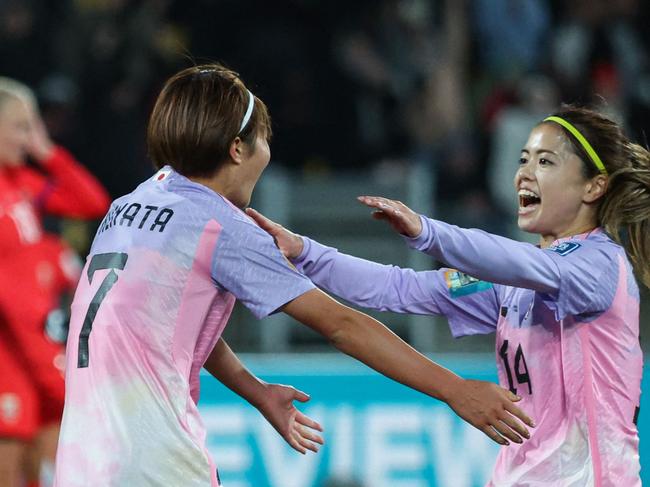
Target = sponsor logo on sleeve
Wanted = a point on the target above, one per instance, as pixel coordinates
(564, 248)
(460, 284)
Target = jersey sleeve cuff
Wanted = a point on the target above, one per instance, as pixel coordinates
(273, 308)
(423, 241)
(306, 248)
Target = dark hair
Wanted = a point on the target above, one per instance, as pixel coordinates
(624, 210)
(197, 116)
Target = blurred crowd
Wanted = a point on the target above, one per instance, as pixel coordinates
(350, 85)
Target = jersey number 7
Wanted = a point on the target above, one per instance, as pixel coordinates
(112, 261)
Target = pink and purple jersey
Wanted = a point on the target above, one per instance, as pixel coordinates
(567, 338)
(164, 270)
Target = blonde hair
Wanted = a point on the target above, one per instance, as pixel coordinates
(13, 89)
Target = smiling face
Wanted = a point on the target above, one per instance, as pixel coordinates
(555, 198)
(15, 123)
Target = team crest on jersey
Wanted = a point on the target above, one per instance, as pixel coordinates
(564, 248)
(460, 284)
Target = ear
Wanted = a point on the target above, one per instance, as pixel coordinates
(236, 150)
(595, 188)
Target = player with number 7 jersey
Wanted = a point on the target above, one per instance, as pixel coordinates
(145, 317)
(164, 270)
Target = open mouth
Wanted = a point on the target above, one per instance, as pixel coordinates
(528, 200)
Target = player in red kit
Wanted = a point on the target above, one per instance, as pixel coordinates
(35, 269)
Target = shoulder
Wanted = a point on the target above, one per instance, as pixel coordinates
(203, 204)
(597, 248)
(589, 269)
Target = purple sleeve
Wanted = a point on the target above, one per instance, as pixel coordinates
(574, 278)
(588, 278)
(247, 263)
(391, 288)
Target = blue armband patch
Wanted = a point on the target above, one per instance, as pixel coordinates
(564, 248)
(460, 284)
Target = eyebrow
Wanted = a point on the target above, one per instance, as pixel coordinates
(540, 151)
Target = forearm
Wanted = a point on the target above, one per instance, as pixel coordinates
(224, 365)
(488, 257)
(370, 342)
(366, 283)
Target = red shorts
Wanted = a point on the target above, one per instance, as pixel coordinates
(31, 396)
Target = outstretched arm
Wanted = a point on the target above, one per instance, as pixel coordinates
(478, 253)
(274, 401)
(484, 405)
(359, 281)
(387, 287)
(573, 277)
(272, 285)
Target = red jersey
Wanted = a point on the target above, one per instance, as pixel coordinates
(63, 188)
(35, 268)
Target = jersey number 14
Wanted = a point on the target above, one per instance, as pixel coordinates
(521, 370)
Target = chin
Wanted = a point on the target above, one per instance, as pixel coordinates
(527, 226)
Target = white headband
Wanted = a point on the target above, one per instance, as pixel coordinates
(249, 111)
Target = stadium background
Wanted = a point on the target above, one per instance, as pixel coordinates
(428, 101)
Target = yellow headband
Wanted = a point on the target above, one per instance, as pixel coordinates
(583, 142)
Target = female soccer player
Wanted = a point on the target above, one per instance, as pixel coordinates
(164, 270)
(565, 313)
(34, 269)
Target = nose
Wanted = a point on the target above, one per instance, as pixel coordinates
(524, 172)
(520, 175)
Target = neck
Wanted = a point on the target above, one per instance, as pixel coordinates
(547, 240)
(212, 182)
(223, 182)
(219, 181)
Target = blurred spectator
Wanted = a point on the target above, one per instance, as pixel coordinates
(598, 54)
(510, 35)
(389, 53)
(113, 50)
(26, 29)
(283, 50)
(36, 178)
(408, 60)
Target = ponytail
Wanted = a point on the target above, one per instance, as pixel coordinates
(625, 211)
